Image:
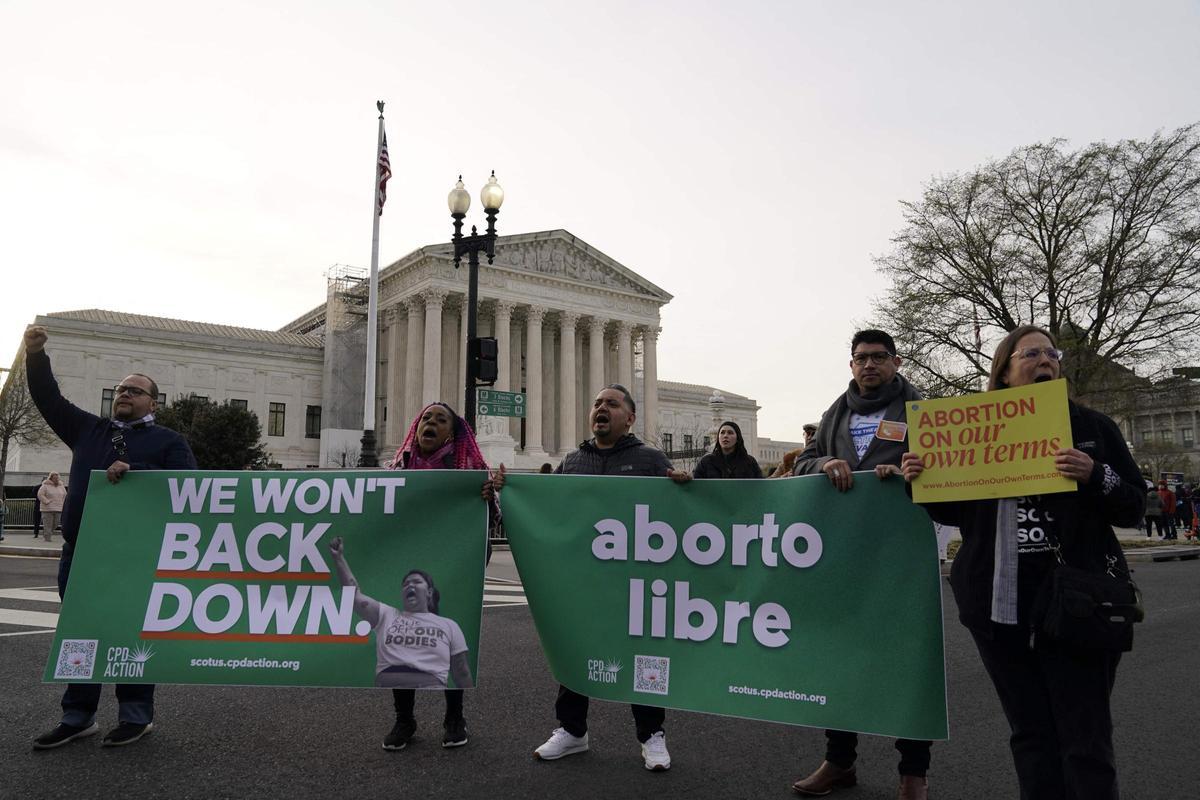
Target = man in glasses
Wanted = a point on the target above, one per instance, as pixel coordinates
(865, 429)
(129, 440)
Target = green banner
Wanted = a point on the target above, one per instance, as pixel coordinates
(778, 600)
(231, 578)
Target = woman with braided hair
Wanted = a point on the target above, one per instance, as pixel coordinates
(437, 439)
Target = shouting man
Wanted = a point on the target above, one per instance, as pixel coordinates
(129, 440)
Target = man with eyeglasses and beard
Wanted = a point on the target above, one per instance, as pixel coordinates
(864, 429)
(129, 440)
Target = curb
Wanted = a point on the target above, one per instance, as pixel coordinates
(34, 552)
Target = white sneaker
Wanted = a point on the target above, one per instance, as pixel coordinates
(654, 752)
(561, 744)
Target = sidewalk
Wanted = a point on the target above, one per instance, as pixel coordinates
(22, 543)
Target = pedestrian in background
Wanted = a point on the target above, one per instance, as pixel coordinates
(1055, 695)
(51, 495)
(1154, 509)
(1168, 512)
(728, 458)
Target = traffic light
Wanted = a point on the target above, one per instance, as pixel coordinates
(483, 353)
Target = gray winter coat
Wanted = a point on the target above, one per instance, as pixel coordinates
(833, 437)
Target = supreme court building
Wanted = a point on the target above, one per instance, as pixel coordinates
(568, 319)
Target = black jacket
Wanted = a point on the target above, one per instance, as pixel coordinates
(714, 466)
(629, 456)
(1085, 516)
(90, 440)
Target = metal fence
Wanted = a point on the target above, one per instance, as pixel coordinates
(20, 513)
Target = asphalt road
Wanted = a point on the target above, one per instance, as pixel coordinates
(300, 743)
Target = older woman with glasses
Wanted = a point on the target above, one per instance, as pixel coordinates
(1055, 695)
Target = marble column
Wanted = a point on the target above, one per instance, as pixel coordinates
(395, 430)
(431, 383)
(567, 402)
(413, 361)
(495, 433)
(650, 380)
(516, 381)
(503, 317)
(595, 358)
(549, 390)
(533, 382)
(625, 355)
(453, 378)
(460, 393)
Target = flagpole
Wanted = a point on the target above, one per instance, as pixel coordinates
(367, 456)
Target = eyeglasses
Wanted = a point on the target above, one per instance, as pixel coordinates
(876, 357)
(1052, 353)
(132, 391)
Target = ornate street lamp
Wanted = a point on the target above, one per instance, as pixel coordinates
(479, 351)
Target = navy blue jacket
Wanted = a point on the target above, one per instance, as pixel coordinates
(90, 440)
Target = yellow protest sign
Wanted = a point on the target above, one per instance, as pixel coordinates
(991, 444)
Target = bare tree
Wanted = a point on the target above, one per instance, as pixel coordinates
(344, 456)
(1101, 246)
(20, 421)
(1158, 457)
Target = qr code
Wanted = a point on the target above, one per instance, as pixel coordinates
(651, 674)
(76, 658)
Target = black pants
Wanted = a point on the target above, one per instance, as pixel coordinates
(572, 708)
(405, 699)
(1057, 703)
(841, 748)
(1153, 521)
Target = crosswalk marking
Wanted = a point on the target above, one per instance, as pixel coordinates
(32, 619)
(497, 594)
(29, 594)
(43, 621)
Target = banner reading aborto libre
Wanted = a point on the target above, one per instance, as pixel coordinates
(228, 578)
(778, 600)
(991, 444)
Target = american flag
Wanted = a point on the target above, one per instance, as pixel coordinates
(384, 173)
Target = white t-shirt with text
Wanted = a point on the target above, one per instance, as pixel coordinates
(862, 429)
(422, 641)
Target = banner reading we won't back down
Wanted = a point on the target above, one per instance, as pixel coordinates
(233, 578)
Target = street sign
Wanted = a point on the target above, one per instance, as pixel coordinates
(494, 403)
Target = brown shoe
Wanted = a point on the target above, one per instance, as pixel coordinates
(913, 788)
(827, 778)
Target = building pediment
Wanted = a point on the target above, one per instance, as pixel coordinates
(556, 255)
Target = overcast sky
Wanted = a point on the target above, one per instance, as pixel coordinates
(212, 162)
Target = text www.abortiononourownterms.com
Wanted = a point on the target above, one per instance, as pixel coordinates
(245, 663)
(989, 481)
(778, 694)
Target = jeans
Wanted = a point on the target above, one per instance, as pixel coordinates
(135, 701)
(572, 707)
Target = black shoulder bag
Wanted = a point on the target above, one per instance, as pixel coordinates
(1090, 610)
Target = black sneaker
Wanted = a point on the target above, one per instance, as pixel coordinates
(125, 733)
(62, 734)
(456, 732)
(402, 731)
